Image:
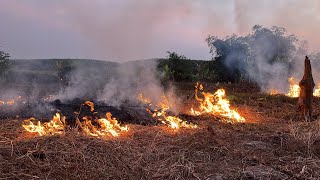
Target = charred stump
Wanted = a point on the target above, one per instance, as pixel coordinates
(304, 105)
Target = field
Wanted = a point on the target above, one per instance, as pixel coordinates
(273, 143)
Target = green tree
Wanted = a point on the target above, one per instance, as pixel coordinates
(180, 66)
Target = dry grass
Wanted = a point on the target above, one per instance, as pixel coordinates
(273, 144)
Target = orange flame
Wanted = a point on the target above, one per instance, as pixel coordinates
(316, 92)
(161, 112)
(274, 92)
(55, 126)
(294, 89)
(90, 104)
(108, 127)
(215, 104)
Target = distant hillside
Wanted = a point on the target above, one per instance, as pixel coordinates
(52, 70)
(51, 64)
(58, 71)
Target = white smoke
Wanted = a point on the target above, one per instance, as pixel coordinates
(121, 85)
(269, 56)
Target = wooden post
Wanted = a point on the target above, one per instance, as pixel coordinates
(306, 91)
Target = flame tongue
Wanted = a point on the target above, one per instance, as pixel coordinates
(55, 126)
(294, 89)
(317, 91)
(215, 104)
(172, 121)
(108, 127)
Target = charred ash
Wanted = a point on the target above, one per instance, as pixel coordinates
(129, 112)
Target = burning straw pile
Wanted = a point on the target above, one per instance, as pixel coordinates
(101, 148)
(214, 149)
(106, 127)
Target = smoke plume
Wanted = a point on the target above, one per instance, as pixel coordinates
(119, 84)
(268, 56)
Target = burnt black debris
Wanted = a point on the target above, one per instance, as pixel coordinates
(44, 111)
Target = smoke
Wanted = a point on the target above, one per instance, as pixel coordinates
(118, 84)
(269, 56)
(126, 30)
(135, 78)
(85, 79)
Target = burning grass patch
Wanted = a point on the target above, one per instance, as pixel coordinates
(213, 150)
(263, 147)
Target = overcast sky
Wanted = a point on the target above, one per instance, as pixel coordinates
(121, 30)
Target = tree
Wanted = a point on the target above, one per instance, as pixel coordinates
(4, 63)
(63, 67)
(178, 67)
(175, 56)
(256, 55)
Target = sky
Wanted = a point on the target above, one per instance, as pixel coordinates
(122, 30)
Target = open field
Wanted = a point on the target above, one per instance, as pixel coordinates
(273, 143)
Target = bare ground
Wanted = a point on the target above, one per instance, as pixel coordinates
(274, 143)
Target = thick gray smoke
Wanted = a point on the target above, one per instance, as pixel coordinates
(134, 78)
(268, 56)
(86, 79)
(118, 84)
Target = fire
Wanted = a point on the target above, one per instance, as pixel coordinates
(53, 127)
(274, 92)
(215, 104)
(107, 127)
(294, 89)
(316, 92)
(143, 99)
(90, 104)
(160, 112)
(11, 101)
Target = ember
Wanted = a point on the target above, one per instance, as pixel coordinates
(274, 92)
(11, 101)
(160, 112)
(144, 99)
(215, 104)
